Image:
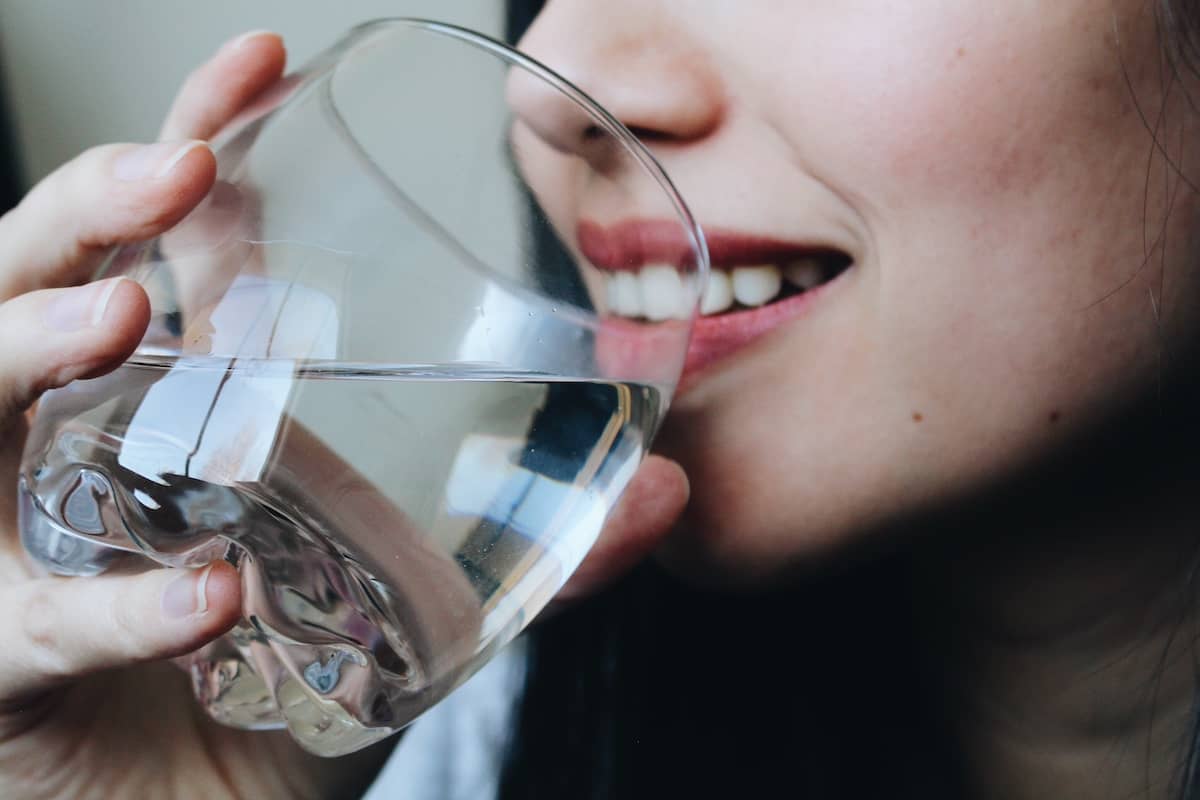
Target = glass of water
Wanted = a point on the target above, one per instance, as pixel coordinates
(402, 361)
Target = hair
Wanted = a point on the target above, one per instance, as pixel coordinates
(1180, 22)
(657, 688)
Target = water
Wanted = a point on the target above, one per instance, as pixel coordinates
(392, 526)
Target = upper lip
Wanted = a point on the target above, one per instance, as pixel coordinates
(631, 244)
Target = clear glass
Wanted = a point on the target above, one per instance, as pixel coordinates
(380, 378)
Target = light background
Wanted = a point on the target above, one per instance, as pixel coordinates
(84, 72)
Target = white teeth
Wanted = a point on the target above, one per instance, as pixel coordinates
(753, 286)
(805, 273)
(663, 293)
(718, 295)
(658, 292)
(625, 294)
(610, 291)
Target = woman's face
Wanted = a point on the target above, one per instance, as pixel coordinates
(985, 168)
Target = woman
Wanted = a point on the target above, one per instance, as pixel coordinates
(997, 391)
(989, 375)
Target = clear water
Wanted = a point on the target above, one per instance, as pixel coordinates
(391, 526)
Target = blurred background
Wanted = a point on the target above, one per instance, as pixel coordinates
(83, 73)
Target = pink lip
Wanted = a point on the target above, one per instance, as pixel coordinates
(714, 338)
(632, 244)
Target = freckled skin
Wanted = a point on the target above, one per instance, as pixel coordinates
(986, 167)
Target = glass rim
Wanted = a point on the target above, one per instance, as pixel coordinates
(580, 98)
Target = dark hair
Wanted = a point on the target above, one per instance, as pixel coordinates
(657, 689)
(1179, 21)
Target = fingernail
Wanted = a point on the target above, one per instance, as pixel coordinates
(82, 307)
(240, 41)
(186, 595)
(152, 160)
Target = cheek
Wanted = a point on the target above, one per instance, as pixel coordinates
(989, 102)
(1002, 171)
(1013, 288)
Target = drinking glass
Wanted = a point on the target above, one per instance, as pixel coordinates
(402, 361)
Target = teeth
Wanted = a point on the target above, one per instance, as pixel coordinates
(663, 294)
(658, 292)
(718, 296)
(625, 294)
(754, 286)
(805, 273)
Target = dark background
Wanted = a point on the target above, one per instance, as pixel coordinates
(10, 173)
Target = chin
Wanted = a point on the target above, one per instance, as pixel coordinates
(741, 553)
(747, 528)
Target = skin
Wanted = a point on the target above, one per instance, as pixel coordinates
(1021, 276)
(984, 167)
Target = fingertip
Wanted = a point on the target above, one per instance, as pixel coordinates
(667, 478)
(267, 49)
(657, 494)
(256, 58)
(222, 591)
(201, 604)
(262, 39)
(640, 521)
(194, 159)
(183, 182)
(122, 325)
(227, 86)
(152, 187)
(127, 312)
(223, 588)
(56, 336)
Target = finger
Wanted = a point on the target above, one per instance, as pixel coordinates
(51, 337)
(221, 87)
(645, 514)
(109, 195)
(56, 629)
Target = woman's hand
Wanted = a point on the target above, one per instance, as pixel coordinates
(86, 710)
(73, 725)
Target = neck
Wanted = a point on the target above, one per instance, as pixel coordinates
(1065, 634)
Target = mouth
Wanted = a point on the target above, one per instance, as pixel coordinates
(755, 283)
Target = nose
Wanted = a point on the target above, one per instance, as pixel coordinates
(632, 59)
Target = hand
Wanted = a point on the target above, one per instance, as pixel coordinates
(71, 724)
(87, 709)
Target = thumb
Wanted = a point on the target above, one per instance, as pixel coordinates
(50, 337)
(57, 629)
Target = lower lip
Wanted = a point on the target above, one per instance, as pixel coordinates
(717, 337)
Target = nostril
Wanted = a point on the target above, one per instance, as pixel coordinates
(645, 134)
(549, 114)
(594, 133)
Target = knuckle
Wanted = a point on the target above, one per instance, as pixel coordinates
(41, 619)
(76, 177)
(15, 394)
(193, 83)
(63, 196)
(128, 627)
